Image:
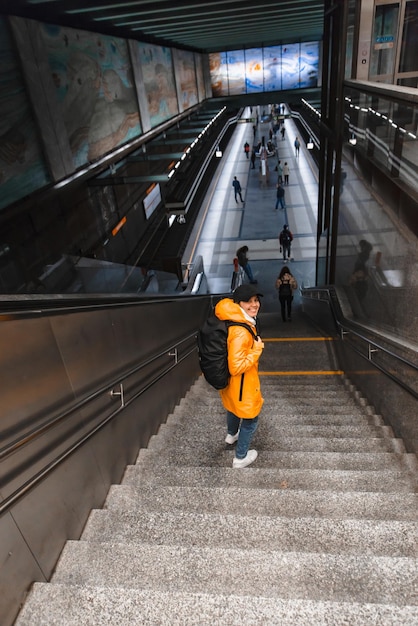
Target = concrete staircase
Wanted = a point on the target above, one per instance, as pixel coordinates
(321, 530)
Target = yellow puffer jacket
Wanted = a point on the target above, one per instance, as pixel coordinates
(242, 396)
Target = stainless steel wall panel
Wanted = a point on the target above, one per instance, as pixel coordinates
(56, 509)
(88, 347)
(51, 363)
(18, 568)
(33, 377)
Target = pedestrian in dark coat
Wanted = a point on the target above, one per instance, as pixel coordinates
(237, 189)
(280, 196)
(286, 285)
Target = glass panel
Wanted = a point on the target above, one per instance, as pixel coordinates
(384, 40)
(408, 82)
(409, 57)
(376, 262)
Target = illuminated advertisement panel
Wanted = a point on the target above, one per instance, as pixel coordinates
(254, 70)
(236, 72)
(272, 68)
(290, 66)
(309, 64)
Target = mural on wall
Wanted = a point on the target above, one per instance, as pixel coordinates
(236, 72)
(218, 67)
(254, 70)
(93, 79)
(271, 68)
(309, 64)
(159, 84)
(186, 78)
(201, 89)
(22, 166)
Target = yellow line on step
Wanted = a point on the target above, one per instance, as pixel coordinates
(304, 373)
(299, 339)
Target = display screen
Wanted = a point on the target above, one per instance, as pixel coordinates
(272, 68)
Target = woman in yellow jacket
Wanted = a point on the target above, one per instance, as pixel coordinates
(242, 397)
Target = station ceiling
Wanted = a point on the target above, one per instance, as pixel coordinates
(202, 26)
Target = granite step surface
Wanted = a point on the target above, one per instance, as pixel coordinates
(266, 572)
(330, 480)
(78, 605)
(287, 418)
(268, 501)
(185, 456)
(304, 534)
(276, 429)
(289, 443)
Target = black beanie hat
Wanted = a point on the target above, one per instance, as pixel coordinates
(244, 293)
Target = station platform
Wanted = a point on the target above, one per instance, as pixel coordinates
(225, 225)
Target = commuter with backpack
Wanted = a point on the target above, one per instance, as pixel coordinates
(285, 240)
(242, 397)
(286, 285)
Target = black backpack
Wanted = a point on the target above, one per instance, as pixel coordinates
(213, 353)
(285, 289)
(286, 238)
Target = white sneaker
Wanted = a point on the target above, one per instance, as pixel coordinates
(230, 439)
(247, 460)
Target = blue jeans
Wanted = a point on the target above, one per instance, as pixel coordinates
(246, 432)
(281, 202)
(247, 269)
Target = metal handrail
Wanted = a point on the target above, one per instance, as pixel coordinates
(372, 346)
(37, 432)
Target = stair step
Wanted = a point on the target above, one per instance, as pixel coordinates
(184, 456)
(283, 407)
(199, 436)
(290, 575)
(287, 418)
(77, 605)
(289, 443)
(285, 393)
(316, 480)
(277, 429)
(306, 534)
(268, 501)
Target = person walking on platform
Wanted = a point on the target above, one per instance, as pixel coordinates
(286, 172)
(280, 197)
(286, 285)
(243, 261)
(237, 189)
(297, 146)
(253, 159)
(247, 149)
(285, 240)
(242, 400)
(279, 172)
(283, 131)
